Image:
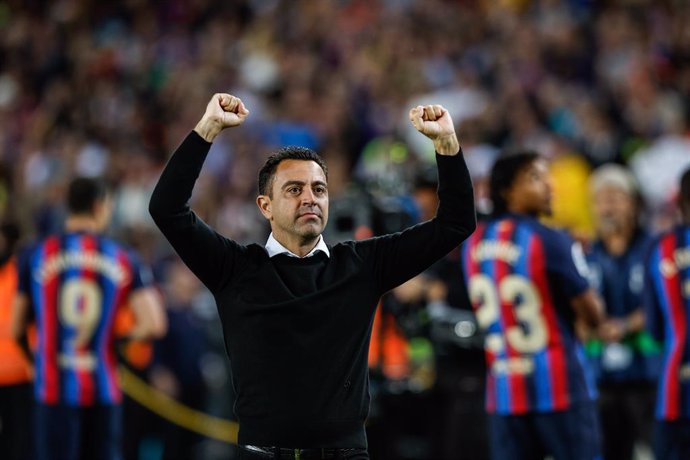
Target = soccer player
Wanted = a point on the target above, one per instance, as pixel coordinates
(73, 285)
(667, 302)
(527, 286)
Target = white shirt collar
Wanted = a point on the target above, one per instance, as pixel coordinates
(273, 247)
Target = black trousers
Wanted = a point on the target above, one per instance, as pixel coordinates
(627, 415)
(16, 402)
(78, 433)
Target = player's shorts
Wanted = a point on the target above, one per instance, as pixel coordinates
(68, 432)
(671, 440)
(573, 434)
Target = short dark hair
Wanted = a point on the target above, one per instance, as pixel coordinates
(503, 175)
(268, 170)
(83, 193)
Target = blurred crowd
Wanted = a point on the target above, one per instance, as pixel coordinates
(109, 88)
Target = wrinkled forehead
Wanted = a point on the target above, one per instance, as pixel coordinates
(305, 171)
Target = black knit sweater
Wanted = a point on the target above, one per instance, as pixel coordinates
(297, 330)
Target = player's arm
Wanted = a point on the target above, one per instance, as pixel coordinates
(589, 308)
(19, 323)
(150, 321)
(22, 307)
(567, 262)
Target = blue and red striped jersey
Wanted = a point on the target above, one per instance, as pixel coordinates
(76, 283)
(667, 303)
(521, 277)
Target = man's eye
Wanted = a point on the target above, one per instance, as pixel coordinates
(294, 190)
(320, 190)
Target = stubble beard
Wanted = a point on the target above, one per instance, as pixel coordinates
(308, 231)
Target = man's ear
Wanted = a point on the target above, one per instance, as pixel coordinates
(264, 204)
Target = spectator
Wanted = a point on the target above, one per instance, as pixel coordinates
(624, 354)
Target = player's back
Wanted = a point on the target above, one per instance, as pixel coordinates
(521, 276)
(668, 311)
(76, 283)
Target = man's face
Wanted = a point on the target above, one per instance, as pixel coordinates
(298, 207)
(531, 190)
(614, 209)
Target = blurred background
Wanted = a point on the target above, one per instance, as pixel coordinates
(110, 88)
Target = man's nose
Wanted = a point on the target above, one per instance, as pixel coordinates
(308, 196)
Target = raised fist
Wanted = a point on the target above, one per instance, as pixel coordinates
(435, 123)
(223, 111)
(432, 120)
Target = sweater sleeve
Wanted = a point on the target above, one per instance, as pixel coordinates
(400, 256)
(209, 255)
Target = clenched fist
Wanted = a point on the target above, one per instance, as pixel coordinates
(223, 111)
(435, 123)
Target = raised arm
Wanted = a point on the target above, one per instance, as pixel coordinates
(399, 257)
(207, 253)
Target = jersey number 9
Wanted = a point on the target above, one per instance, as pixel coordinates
(80, 309)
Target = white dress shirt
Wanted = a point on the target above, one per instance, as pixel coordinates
(273, 247)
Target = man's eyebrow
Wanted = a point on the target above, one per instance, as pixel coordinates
(302, 183)
(293, 182)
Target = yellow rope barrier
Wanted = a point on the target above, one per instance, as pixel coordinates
(173, 411)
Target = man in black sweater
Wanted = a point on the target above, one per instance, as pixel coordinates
(297, 312)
